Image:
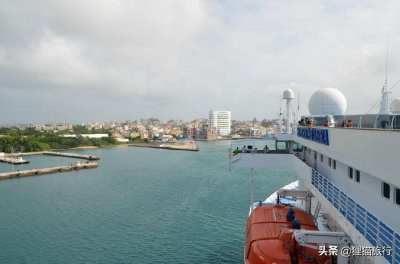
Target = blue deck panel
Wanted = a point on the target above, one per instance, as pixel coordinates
(374, 230)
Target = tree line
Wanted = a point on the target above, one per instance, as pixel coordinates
(27, 141)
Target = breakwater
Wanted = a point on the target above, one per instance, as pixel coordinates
(71, 155)
(186, 146)
(34, 172)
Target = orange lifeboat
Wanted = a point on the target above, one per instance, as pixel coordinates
(269, 237)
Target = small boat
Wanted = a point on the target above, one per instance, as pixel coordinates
(270, 236)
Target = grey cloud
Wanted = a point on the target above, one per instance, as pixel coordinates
(78, 61)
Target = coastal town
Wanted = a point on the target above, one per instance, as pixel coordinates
(218, 126)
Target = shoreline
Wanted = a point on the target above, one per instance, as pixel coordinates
(85, 147)
(75, 148)
(191, 146)
(170, 146)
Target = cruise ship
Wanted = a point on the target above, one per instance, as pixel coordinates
(347, 167)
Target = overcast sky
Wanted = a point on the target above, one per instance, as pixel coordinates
(79, 61)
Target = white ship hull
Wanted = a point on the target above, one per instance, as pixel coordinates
(341, 205)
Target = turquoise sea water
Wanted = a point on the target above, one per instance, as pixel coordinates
(140, 206)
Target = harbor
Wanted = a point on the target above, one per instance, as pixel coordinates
(35, 172)
(132, 197)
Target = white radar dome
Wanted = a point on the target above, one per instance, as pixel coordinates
(327, 101)
(288, 94)
(395, 106)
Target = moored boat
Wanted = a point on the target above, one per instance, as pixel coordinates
(270, 236)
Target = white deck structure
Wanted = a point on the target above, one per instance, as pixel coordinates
(353, 172)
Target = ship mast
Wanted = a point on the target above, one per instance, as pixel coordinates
(288, 95)
(384, 106)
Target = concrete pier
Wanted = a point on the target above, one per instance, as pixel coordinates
(12, 160)
(71, 155)
(34, 172)
(188, 145)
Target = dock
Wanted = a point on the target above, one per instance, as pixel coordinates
(12, 160)
(34, 172)
(71, 155)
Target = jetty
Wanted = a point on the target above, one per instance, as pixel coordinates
(71, 155)
(12, 160)
(186, 146)
(34, 172)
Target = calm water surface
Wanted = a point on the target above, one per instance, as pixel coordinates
(140, 206)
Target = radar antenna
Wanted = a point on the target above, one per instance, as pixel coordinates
(384, 104)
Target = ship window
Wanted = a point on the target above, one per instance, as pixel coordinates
(315, 155)
(357, 176)
(350, 173)
(281, 145)
(330, 162)
(297, 147)
(386, 190)
(334, 164)
(322, 158)
(397, 195)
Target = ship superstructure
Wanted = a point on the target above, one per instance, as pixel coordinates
(349, 163)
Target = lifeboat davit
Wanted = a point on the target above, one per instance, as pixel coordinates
(269, 237)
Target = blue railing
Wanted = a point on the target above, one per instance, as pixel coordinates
(374, 230)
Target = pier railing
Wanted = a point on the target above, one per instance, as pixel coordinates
(371, 227)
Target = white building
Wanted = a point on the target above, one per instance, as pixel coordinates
(86, 135)
(166, 138)
(94, 135)
(221, 120)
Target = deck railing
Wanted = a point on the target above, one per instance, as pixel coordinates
(372, 228)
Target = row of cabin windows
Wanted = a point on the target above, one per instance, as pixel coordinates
(386, 192)
(385, 186)
(322, 158)
(357, 178)
(351, 174)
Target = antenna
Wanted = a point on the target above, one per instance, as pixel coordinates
(298, 106)
(384, 105)
(298, 101)
(288, 96)
(387, 59)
